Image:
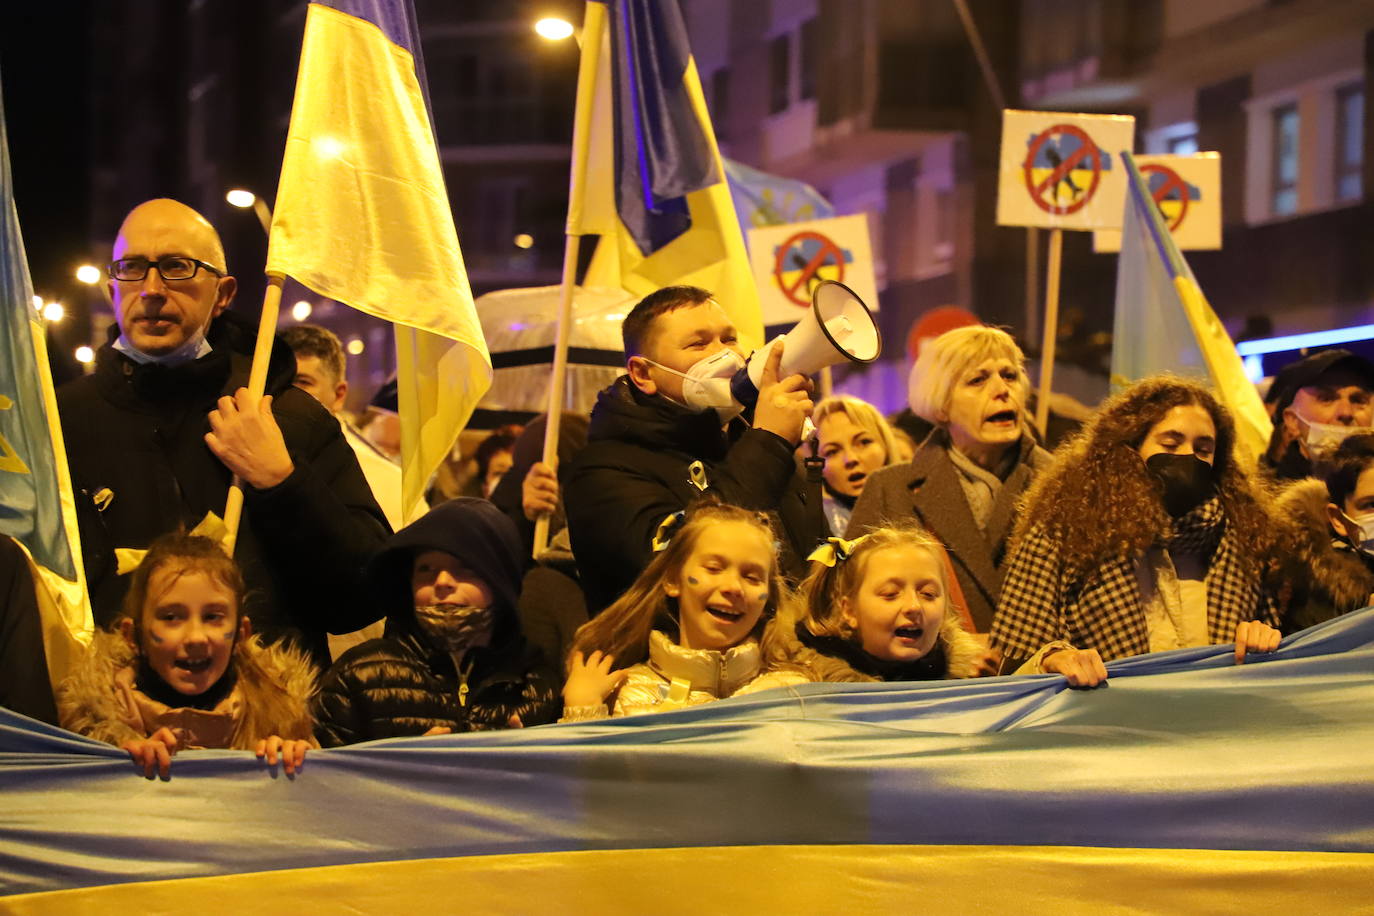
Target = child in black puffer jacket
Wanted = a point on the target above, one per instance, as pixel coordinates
(453, 658)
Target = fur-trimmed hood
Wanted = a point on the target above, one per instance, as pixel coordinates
(785, 652)
(1325, 570)
(274, 688)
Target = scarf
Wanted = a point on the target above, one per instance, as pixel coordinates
(932, 667)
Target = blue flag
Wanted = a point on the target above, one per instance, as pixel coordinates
(762, 199)
(30, 494)
(1186, 784)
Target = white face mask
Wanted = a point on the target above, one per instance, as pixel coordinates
(706, 384)
(1323, 438)
(1364, 525)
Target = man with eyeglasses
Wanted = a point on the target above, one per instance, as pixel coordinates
(155, 434)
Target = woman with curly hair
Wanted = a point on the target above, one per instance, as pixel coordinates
(1144, 536)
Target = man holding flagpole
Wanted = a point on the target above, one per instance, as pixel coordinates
(156, 433)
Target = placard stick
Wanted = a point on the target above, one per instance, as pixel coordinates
(1049, 332)
(257, 384)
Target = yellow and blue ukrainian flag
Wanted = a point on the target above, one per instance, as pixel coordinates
(1188, 784)
(36, 504)
(655, 188)
(362, 216)
(1164, 323)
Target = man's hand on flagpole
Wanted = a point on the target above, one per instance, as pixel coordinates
(246, 437)
(539, 491)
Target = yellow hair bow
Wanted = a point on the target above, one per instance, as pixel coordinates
(666, 529)
(835, 550)
(127, 559)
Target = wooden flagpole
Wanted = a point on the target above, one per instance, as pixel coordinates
(593, 26)
(1049, 334)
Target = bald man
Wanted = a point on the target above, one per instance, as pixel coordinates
(155, 434)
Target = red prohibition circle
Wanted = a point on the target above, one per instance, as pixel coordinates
(1172, 182)
(1086, 148)
(829, 252)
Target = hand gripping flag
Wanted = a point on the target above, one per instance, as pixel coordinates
(1164, 323)
(362, 217)
(655, 188)
(36, 504)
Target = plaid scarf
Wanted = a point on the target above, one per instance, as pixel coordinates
(1042, 601)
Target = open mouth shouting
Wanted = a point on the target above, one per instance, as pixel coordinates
(1003, 419)
(725, 614)
(193, 665)
(911, 633)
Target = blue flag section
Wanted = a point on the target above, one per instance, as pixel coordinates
(30, 495)
(1186, 776)
(762, 199)
(661, 151)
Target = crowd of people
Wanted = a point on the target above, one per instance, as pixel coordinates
(700, 549)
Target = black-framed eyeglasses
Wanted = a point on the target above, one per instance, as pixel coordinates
(172, 268)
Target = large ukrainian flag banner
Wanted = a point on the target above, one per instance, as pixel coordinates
(1164, 323)
(36, 504)
(1187, 785)
(362, 216)
(655, 188)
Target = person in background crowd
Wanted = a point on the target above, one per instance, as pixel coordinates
(1318, 401)
(453, 659)
(185, 672)
(494, 458)
(1332, 563)
(668, 431)
(853, 440)
(1144, 536)
(155, 434)
(552, 605)
(874, 609)
(321, 373)
(687, 631)
(964, 481)
(25, 680)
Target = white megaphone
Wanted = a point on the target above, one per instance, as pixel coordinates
(839, 327)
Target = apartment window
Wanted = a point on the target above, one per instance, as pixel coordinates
(1182, 145)
(780, 71)
(1349, 143)
(1284, 171)
(810, 60)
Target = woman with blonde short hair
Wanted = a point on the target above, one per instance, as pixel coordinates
(964, 481)
(853, 440)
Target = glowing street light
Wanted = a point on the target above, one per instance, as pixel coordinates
(85, 355)
(552, 28)
(301, 310)
(53, 311)
(356, 346)
(243, 199)
(88, 274)
(524, 240)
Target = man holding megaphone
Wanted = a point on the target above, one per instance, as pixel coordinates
(673, 428)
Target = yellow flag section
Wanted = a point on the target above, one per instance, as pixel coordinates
(362, 216)
(711, 254)
(1187, 190)
(953, 880)
(789, 260)
(1062, 171)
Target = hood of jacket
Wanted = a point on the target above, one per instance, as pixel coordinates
(473, 530)
(226, 367)
(623, 413)
(1336, 569)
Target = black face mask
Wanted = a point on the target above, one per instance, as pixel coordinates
(1188, 481)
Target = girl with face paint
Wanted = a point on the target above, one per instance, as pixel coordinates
(1145, 536)
(688, 630)
(185, 672)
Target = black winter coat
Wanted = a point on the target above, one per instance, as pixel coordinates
(634, 473)
(397, 686)
(137, 431)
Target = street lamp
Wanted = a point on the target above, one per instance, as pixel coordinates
(243, 199)
(53, 311)
(552, 28)
(85, 355)
(88, 274)
(301, 310)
